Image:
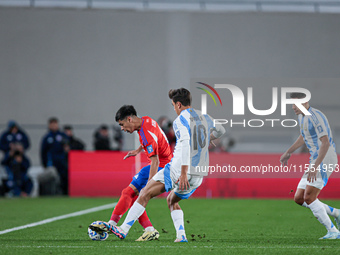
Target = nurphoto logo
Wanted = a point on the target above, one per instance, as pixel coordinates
(238, 108)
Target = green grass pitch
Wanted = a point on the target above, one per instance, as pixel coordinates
(220, 226)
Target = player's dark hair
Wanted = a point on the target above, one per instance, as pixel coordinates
(68, 127)
(53, 120)
(103, 127)
(297, 95)
(125, 111)
(181, 95)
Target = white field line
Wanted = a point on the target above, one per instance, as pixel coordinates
(61, 217)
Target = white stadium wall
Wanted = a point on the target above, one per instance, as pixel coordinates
(82, 65)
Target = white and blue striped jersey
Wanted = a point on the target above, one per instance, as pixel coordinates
(312, 128)
(193, 126)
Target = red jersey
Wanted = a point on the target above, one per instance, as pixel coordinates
(154, 141)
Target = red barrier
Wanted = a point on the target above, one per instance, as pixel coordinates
(99, 173)
(106, 174)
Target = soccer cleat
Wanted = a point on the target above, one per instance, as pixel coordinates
(183, 239)
(99, 226)
(331, 235)
(148, 236)
(337, 219)
(117, 231)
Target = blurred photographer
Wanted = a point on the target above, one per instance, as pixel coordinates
(118, 138)
(53, 152)
(12, 136)
(74, 143)
(16, 165)
(101, 139)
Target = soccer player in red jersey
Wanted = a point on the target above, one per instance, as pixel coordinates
(157, 149)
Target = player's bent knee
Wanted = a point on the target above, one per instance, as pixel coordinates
(299, 200)
(168, 200)
(145, 194)
(172, 203)
(175, 206)
(309, 199)
(128, 192)
(125, 191)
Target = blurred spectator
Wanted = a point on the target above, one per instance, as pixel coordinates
(54, 152)
(117, 138)
(101, 139)
(224, 143)
(73, 142)
(12, 136)
(166, 124)
(16, 165)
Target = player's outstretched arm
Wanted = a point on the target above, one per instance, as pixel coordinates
(154, 166)
(297, 144)
(134, 152)
(217, 132)
(311, 177)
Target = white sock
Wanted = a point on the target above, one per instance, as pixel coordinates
(320, 213)
(330, 210)
(134, 213)
(178, 219)
(150, 229)
(112, 223)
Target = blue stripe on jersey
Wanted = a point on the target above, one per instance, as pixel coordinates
(185, 123)
(323, 174)
(174, 125)
(300, 120)
(197, 157)
(167, 179)
(185, 196)
(303, 133)
(142, 135)
(328, 129)
(209, 121)
(210, 127)
(145, 142)
(314, 136)
(315, 119)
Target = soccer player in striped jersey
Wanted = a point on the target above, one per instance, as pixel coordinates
(157, 149)
(317, 135)
(193, 134)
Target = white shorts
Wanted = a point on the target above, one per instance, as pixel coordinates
(327, 166)
(169, 178)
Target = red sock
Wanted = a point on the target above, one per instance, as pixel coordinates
(144, 220)
(126, 200)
